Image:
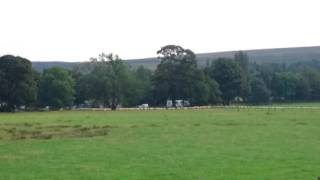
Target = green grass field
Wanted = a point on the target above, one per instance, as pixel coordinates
(164, 144)
(298, 104)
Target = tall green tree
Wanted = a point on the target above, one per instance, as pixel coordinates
(141, 86)
(303, 89)
(284, 85)
(260, 94)
(109, 81)
(243, 60)
(17, 83)
(312, 77)
(206, 91)
(229, 76)
(56, 88)
(82, 87)
(214, 90)
(177, 75)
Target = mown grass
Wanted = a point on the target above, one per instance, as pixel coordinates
(174, 144)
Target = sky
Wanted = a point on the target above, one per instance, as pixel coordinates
(75, 30)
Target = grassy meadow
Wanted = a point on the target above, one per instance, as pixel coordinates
(164, 144)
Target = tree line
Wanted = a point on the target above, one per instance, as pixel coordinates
(107, 81)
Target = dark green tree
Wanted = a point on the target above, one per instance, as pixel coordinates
(109, 81)
(243, 60)
(284, 85)
(214, 90)
(141, 87)
(17, 83)
(267, 71)
(177, 75)
(312, 76)
(260, 94)
(303, 89)
(229, 76)
(56, 88)
(83, 87)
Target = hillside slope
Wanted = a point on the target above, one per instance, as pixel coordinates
(279, 55)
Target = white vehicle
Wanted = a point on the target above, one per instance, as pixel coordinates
(186, 103)
(143, 106)
(169, 104)
(178, 103)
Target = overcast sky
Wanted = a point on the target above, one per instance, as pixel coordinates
(75, 30)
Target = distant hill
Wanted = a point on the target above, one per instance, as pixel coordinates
(40, 66)
(279, 55)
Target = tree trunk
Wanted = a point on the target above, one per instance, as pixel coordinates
(113, 104)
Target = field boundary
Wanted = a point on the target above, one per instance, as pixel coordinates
(202, 107)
